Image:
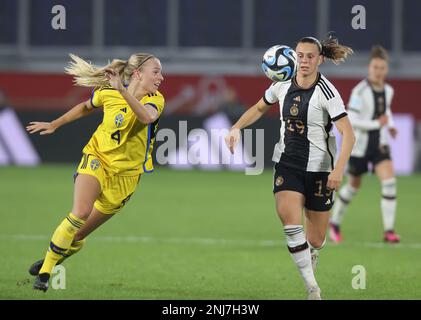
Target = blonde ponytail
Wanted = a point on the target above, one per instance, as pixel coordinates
(86, 74)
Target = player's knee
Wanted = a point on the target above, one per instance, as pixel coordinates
(82, 211)
(279, 211)
(389, 188)
(286, 216)
(317, 242)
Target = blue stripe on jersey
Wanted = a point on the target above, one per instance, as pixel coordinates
(153, 105)
(92, 96)
(150, 128)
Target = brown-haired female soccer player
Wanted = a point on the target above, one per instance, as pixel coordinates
(305, 173)
(118, 153)
(371, 116)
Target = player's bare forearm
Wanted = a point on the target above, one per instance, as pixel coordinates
(348, 140)
(43, 128)
(144, 114)
(251, 115)
(80, 110)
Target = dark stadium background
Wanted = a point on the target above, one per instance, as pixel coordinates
(196, 234)
(207, 48)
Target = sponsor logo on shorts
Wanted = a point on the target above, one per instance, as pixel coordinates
(279, 181)
(95, 164)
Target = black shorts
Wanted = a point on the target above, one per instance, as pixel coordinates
(358, 166)
(311, 184)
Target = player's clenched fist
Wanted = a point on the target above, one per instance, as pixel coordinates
(334, 180)
(232, 139)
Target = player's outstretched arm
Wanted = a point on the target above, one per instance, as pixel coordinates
(80, 110)
(144, 113)
(248, 118)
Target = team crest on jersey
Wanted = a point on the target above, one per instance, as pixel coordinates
(279, 181)
(118, 120)
(94, 164)
(294, 110)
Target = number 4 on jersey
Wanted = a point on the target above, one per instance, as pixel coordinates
(116, 136)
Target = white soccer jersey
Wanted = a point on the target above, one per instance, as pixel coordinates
(306, 138)
(365, 107)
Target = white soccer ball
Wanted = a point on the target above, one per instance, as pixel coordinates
(280, 63)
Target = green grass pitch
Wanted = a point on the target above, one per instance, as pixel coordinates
(201, 235)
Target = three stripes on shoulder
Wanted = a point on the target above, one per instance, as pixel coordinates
(327, 92)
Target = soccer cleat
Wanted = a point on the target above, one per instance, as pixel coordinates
(314, 294)
(391, 237)
(314, 259)
(36, 267)
(335, 233)
(41, 282)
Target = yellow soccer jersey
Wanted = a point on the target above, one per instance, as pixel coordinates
(122, 143)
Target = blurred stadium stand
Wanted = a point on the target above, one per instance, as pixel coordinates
(207, 47)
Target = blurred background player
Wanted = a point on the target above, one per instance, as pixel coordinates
(305, 174)
(371, 117)
(116, 155)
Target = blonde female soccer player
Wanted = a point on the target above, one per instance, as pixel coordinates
(305, 174)
(371, 116)
(116, 156)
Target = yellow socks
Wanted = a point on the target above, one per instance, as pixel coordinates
(75, 247)
(61, 242)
